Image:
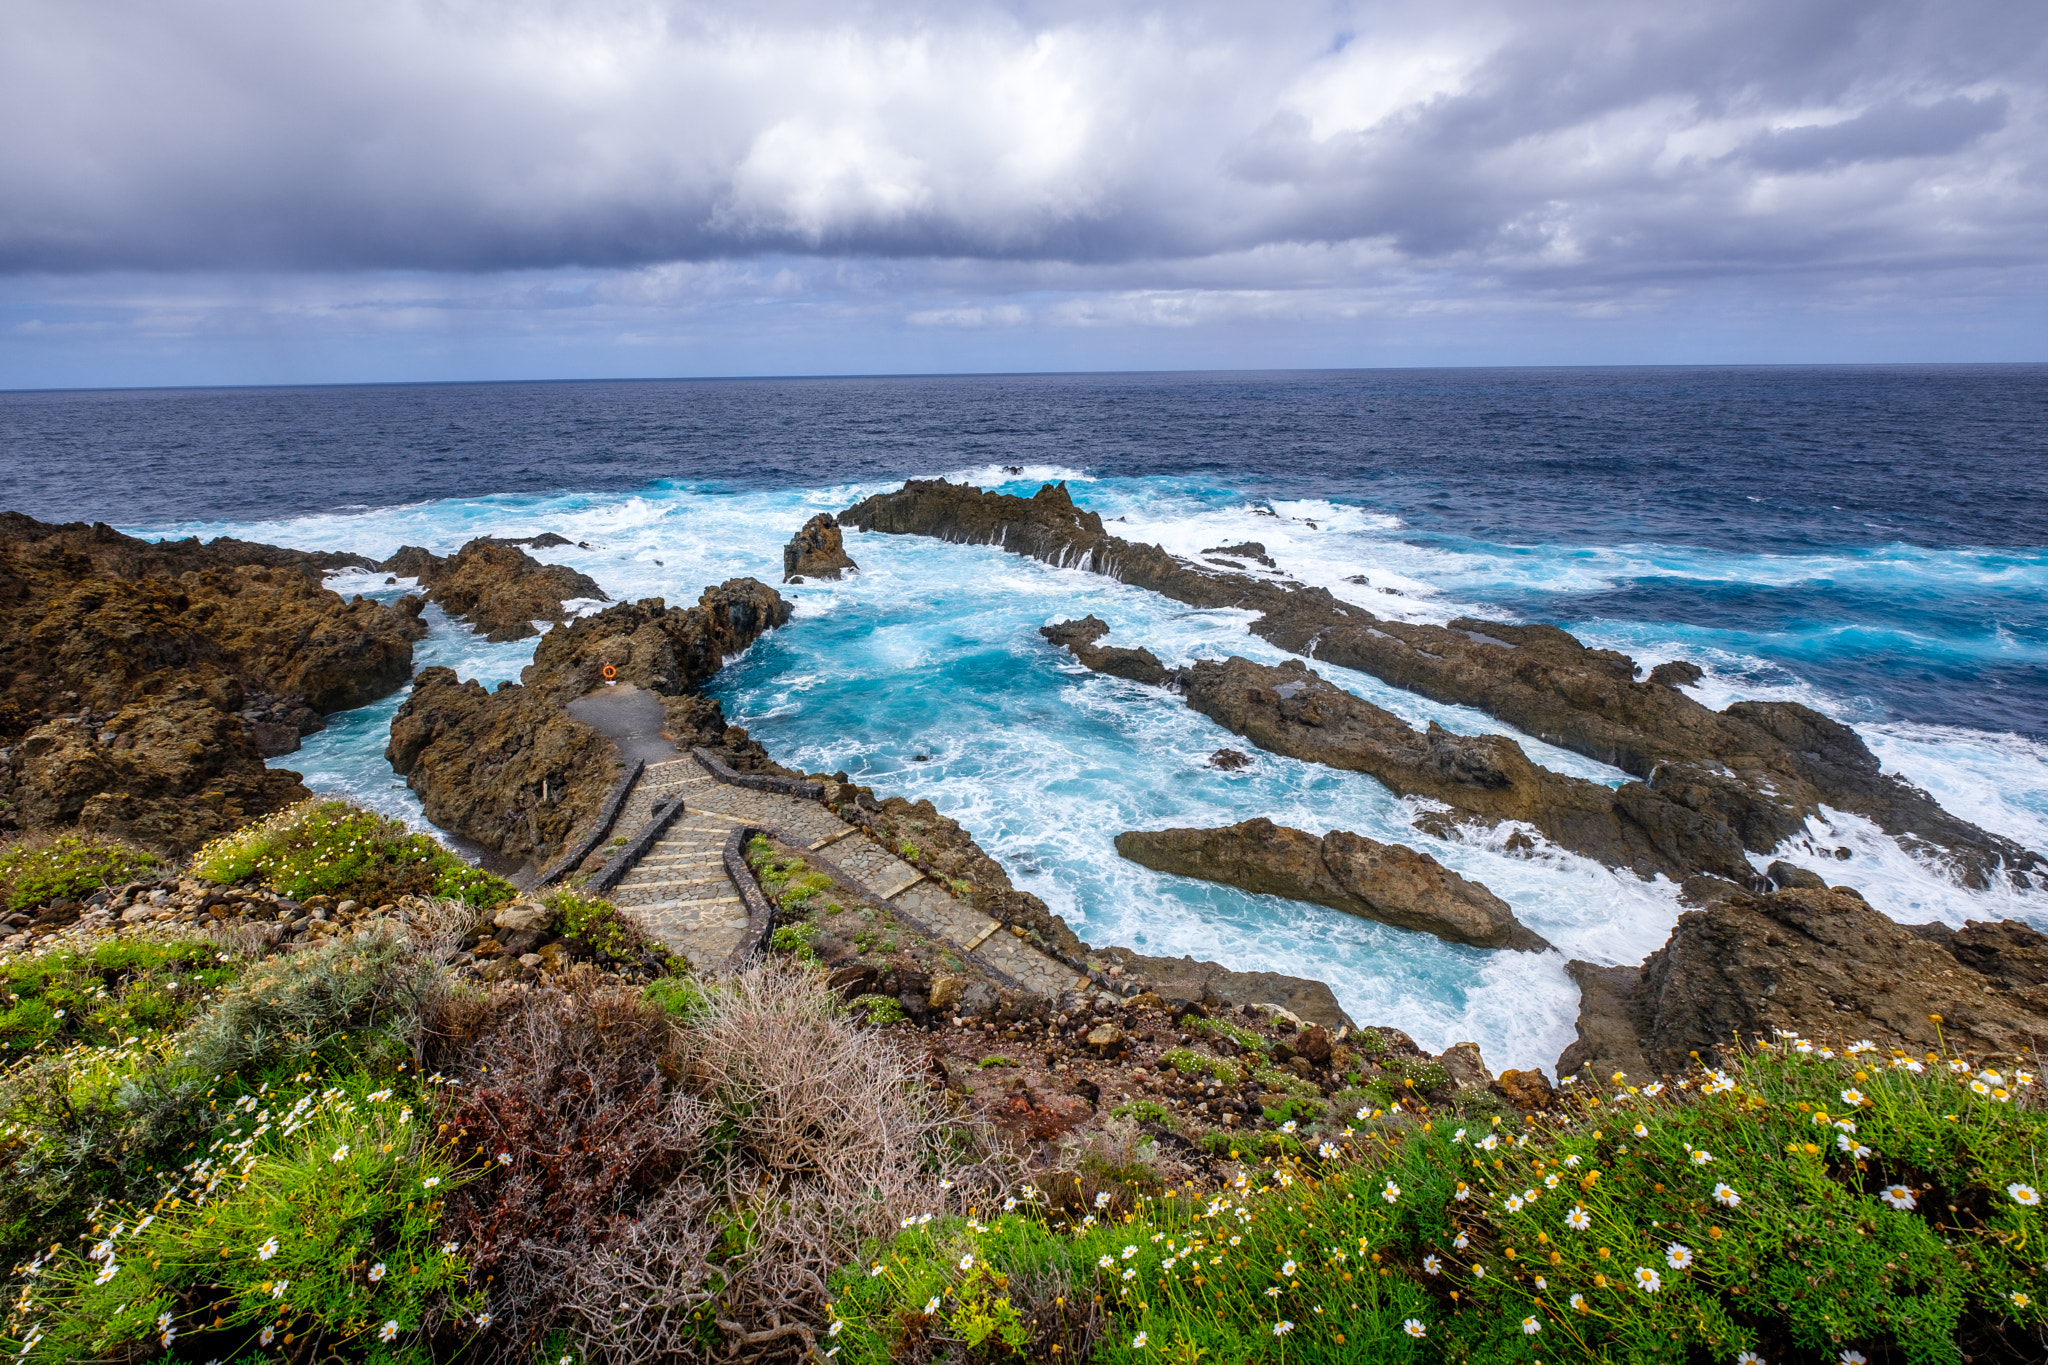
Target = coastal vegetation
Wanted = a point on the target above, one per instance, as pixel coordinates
(327, 847)
(361, 1147)
(1799, 1205)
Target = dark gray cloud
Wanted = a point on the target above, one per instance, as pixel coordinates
(1564, 143)
(1883, 132)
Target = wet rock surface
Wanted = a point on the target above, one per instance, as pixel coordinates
(817, 550)
(514, 772)
(1757, 769)
(1819, 962)
(1389, 883)
(495, 586)
(142, 685)
(1484, 779)
(1079, 637)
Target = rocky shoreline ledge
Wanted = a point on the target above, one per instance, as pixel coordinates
(184, 664)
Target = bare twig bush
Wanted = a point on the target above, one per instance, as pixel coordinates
(684, 1192)
(437, 925)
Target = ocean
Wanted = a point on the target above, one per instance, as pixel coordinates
(1870, 541)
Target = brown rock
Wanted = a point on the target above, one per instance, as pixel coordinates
(1139, 665)
(1526, 1090)
(1385, 882)
(522, 914)
(855, 978)
(1229, 760)
(513, 771)
(945, 991)
(1466, 1067)
(496, 587)
(1214, 985)
(147, 682)
(1819, 962)
(817, 551)
(1105, 1039)
(1314, 1044)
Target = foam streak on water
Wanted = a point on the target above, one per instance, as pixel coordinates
(933, 649)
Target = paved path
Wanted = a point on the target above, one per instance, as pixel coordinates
(679, 891)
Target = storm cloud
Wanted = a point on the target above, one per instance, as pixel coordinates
(1580, 151)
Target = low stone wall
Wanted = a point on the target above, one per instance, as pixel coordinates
(607, 815)
(760, 782)
(659, 819)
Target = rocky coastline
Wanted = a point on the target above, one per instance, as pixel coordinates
(143, 686)
(495, 587)
(1710, 784)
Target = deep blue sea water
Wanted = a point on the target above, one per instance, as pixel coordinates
(1872, 541)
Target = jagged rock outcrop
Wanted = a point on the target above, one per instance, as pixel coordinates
(1139, 665)
(818, 550)
(1386, 882)
(1760, 769)
(495, 586)
(1819, 962)
(142, 685)
(1763, 768)
(512, 771)
(1212, 984)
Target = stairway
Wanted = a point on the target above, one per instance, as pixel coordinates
(679, 893)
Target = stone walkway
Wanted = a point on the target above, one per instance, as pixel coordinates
(679, 891)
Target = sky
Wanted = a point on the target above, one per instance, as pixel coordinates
(263, 191)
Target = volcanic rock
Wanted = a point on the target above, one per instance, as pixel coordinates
(1677, 673)
(1821, 963)
(499, 589)
(1385, 882)
(817, 551)
(1139, 665)
(147, 682)
(1213, 985)
(1485, 779)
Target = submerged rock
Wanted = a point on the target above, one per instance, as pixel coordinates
(816, 551)
(499, 589)
(1385, 882)
(1819, 962)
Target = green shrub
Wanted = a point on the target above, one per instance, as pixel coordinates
(1295, 1109)
(1799, 1206)
(354, 998)
(105, 993)
(880, 1009)
(32, 873)
(326, 847)
(1147, 1111)
(1273, 1078)
(1189, 1062)
(330, 1235)
(596, 923)
(1369, 1042)
(679, 997)
(1237, 1033)
(997, 1060)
